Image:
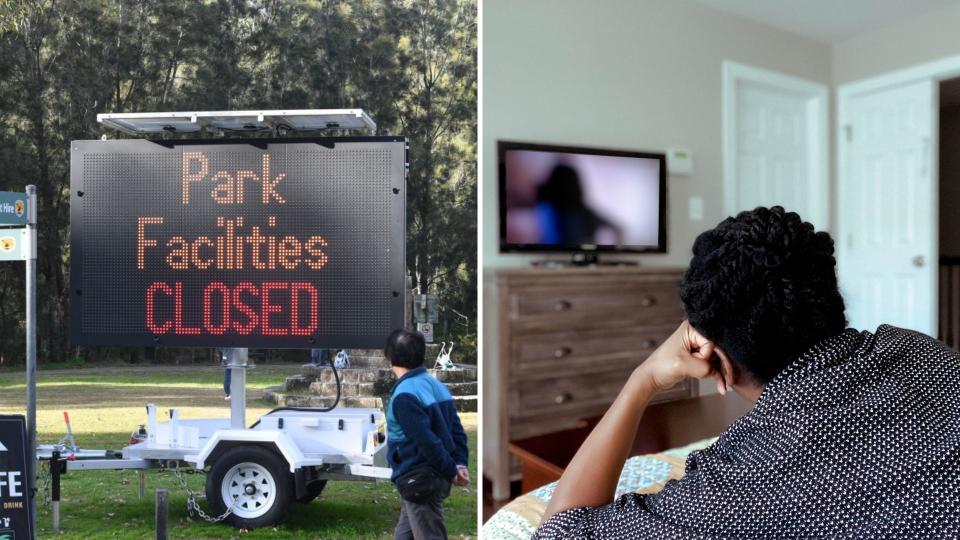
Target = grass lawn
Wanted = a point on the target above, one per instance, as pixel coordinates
(107, 404)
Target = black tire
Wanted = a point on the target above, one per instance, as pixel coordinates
(256, 469)
(313, 491)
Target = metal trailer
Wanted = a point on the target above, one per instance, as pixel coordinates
(255, 473)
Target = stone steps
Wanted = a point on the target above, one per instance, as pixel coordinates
(432, 350)
(464, 373)
(375, 357)
(318, 388)
(367, 383)
(466, 403)
(349, 389)
(325, 374)
(463, 388)
(276, 396)
(369, 361)
(296, 383)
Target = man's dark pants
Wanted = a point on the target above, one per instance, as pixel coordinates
(423, 521)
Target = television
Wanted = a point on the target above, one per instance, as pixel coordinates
(578, 200)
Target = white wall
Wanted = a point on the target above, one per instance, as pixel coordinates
(630, 74)
(909, 42)
(646, 75)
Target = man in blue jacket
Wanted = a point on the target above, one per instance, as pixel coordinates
(425, 438)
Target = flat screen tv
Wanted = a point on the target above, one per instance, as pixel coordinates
(581, 200)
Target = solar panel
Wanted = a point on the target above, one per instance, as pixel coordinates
(194, 121)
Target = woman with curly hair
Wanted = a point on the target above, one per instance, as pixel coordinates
(852, 434)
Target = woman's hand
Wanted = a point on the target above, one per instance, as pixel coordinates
(686, 353)
(591, 477)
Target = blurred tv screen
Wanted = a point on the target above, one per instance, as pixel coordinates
(569, 199)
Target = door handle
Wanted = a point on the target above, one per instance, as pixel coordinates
(918, 261)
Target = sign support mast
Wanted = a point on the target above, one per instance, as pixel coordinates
(238, 362)
(31, 323)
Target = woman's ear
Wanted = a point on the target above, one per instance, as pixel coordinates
(729, 371)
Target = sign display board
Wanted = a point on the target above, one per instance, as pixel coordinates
(13, 208)
(427, 330)
(16, 520)
(239, 243)
(11, 246)
(425, 308)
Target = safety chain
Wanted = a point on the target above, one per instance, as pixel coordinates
(192, 505)
(45, 472)
(45, 479)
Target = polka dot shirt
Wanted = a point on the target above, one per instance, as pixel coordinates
(858, 438)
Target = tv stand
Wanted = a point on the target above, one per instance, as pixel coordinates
(590, 258)
(561, 343)
(586, 258)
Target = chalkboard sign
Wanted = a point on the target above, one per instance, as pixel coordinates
(16, 518)
(245, 242)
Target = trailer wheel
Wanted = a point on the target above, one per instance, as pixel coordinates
(313, 491)
(255, 482)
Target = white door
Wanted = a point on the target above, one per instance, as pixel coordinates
(887, 213)
(775, 143)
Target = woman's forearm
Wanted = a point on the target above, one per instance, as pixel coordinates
(591, 477)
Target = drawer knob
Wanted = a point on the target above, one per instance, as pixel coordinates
(648, 344)
(561, 352)
(565, 397)
(647, 301)
(562, 305)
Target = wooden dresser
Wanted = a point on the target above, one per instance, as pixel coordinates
(560, 343)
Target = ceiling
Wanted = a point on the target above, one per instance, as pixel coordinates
(827, 21)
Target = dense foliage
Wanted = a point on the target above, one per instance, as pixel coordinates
(410, 63)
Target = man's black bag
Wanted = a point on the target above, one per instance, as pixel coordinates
(420, 484)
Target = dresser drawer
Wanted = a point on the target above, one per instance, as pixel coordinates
(642, 302)
(572, 397)
(575, 398)
(561, 353)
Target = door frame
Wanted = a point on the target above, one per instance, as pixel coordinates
(818, 140)
(936, 71)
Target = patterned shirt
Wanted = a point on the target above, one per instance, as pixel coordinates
(858, 438)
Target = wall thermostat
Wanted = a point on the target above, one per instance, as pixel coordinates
(679, 161)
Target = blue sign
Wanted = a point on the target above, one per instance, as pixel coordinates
(13, 208)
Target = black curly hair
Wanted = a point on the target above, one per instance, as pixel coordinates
(405, 349)
(763, 287)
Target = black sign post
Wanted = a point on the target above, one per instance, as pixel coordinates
(295, 243)
(16, 510)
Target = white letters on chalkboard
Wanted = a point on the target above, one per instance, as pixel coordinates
(10, 484)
